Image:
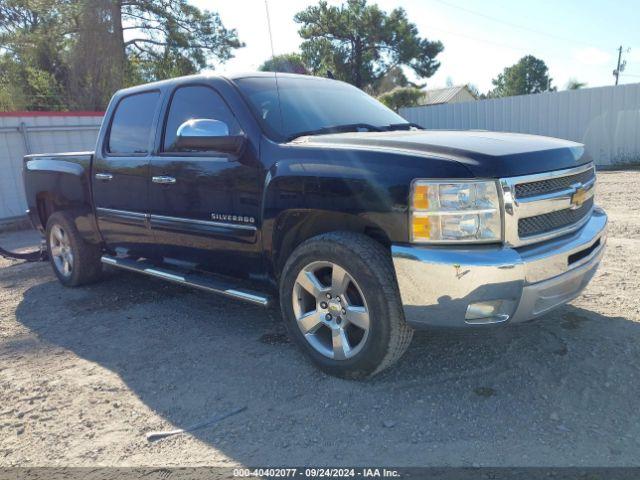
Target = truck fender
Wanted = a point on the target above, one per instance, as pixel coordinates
(288, 220)
(55, 185)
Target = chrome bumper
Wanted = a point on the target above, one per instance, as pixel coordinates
(455, 287)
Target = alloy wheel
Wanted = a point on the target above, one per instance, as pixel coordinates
(331, 310)
(61, 250)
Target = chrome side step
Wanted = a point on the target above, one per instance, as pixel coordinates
(195, 280)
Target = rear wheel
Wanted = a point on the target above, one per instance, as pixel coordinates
(74, 261)
(341, 305)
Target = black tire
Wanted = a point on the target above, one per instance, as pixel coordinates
(369, 264)
(86, 266)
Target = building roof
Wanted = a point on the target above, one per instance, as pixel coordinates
(445, 95)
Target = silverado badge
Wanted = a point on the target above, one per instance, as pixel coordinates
(223, 217)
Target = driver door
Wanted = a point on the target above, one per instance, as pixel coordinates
(204, 204)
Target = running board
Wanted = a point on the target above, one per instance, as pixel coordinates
(191, 279)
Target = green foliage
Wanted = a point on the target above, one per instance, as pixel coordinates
(394, 77)
(33, 41)
(11, 96)
(61, 54)
(286, 63)
(529, 75)
(574, 84)
(401, 97)
(359, 43)
(172, 37)
(28, 88)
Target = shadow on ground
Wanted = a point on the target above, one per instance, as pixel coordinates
(561, 389)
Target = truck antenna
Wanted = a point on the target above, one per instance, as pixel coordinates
(273, 59)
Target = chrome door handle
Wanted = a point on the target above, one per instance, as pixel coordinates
(163, 180)
(104, 176)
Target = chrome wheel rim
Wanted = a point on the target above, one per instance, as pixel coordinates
(61, 251)
(330, 310)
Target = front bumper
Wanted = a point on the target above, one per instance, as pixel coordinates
(462, 286)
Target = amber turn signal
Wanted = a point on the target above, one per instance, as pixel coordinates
(421, 197)
(421, 226)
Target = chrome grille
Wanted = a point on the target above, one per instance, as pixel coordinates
(548, 222)
(542, 206)
(542, 187)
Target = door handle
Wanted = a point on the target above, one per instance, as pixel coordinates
(163, 180)
(104, 176)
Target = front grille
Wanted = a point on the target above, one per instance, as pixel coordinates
(547, 222)
(551, 185)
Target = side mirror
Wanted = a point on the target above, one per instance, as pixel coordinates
(202, 134)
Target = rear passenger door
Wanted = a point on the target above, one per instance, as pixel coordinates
(121, 174)
(205, 204)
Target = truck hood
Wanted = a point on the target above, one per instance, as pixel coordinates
(485, 154)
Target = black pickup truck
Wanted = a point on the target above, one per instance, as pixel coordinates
(365, 226)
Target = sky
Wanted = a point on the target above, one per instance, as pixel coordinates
(576, 38)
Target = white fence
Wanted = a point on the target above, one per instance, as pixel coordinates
(38, 132)
(605, 119)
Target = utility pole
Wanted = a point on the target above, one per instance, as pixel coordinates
(621, 64)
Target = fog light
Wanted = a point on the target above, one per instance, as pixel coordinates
(492, 311)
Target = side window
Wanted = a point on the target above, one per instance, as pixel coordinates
(196, 101)
(131, 125)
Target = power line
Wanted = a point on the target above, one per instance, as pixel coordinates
(477, 39)
(514, 25)
(527, 49)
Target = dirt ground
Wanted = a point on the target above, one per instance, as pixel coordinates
(86, 373)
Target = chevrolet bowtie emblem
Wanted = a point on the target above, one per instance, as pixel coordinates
(578, 197)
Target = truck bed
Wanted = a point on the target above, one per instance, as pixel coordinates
(56, 181)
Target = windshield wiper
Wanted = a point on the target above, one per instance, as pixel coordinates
(402, 126)
(352, 127)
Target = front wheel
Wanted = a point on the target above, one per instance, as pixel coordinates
(341, 304)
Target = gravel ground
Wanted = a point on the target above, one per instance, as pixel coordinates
(86, 373)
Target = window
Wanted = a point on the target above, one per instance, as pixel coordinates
(196, 101)
(131, 125)
(296, 105)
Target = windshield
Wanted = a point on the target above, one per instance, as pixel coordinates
(310, 104)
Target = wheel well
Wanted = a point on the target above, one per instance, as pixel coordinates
(299, 228)
(46, 207)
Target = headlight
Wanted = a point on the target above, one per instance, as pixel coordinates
(465, 211)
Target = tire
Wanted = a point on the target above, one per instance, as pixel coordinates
(82, 258)
(334, 260)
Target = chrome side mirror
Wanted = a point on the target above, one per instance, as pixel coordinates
(204, 134)
(203, 127)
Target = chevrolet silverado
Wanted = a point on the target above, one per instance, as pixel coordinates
(365, 226)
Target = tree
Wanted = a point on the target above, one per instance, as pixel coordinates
(92, 80)
(574, 84)
(89, 48)
(171, 32)
(359, 43)
(394, 77)
(286, 63)
(401, 97)
(33, 39)
(529, 75)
